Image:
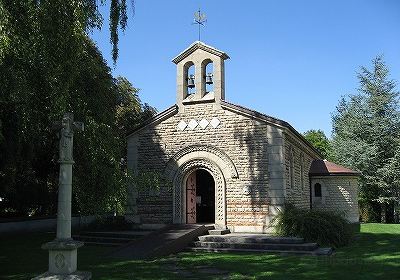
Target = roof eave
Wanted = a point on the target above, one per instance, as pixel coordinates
(199, 45)
(342, 174)
(277, 122)
(155, 119)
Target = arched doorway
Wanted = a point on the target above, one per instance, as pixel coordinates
(200, 197)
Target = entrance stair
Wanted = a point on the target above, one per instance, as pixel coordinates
(257, 243)
(169, 240)
(111, 238)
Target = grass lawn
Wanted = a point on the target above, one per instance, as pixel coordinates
(375, 254)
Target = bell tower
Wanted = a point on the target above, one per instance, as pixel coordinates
(200, 75)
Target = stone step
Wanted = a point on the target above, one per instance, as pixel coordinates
(218, 231)
(105, 244)
(316, 252)
(259, 246)
(256, 238)
(132, 234)
(102, 239)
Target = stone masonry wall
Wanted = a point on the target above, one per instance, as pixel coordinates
(297, 189)
(249, 143)
(339, 194)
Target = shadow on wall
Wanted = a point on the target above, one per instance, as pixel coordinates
(150, 193)
(253, 139)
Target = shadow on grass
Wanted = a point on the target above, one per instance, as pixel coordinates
(373, 255)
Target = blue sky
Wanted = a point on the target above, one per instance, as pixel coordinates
(289, 59)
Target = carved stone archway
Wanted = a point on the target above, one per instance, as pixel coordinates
(191, 158)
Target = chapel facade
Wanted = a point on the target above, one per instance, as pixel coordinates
(225, 164)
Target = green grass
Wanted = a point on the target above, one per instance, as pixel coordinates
(375, 254)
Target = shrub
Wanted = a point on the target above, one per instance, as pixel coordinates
(325, 228)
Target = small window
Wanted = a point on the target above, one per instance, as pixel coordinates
(317, 190)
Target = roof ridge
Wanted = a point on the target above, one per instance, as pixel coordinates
(172, 110)
(198, 45)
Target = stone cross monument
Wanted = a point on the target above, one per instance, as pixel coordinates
(63, 250)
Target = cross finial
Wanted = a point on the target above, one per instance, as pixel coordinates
(199, 19)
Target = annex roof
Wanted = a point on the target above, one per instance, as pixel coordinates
(321, 167)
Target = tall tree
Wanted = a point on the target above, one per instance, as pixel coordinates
(366, 131)
(48, 66)
(319, 140)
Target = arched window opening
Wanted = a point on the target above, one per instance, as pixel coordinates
(189, 74)
(317, 190)
(209, 78)
(207, 70)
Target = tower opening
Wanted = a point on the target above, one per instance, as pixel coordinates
(208, 77)
(190, 79)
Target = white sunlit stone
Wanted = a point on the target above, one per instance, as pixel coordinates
(182, 125)
(215, 122)
(192, 124)
(203, 123)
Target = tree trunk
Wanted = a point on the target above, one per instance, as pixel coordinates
(383, 213)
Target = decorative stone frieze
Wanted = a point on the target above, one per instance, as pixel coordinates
(215, 122)
(203, 123)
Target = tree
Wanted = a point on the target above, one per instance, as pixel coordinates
(366, 131)
(83, 16)
(391, 183)
(48, 66)
(319, 140)
(130, 110)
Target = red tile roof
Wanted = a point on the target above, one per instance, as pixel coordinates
(321, 167)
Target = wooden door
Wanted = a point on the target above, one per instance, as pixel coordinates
(191, 199)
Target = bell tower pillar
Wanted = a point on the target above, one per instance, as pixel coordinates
(200, 75)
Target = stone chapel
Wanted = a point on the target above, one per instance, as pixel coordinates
(227, 165)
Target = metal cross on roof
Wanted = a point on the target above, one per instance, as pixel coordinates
(199, 19)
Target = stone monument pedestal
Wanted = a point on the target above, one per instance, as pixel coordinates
(77, 275)
(63, 261)
(63, 251)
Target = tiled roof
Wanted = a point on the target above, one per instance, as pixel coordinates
(326, 168)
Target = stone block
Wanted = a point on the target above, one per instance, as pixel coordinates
(276, 193)
(78, 275)
(276, 184)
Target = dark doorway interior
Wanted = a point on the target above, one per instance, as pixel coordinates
(205, 197)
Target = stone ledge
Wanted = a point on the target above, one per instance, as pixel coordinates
(62, 244)
(78, 275)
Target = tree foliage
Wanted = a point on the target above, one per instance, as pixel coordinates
(49, 66)
(319, 140)
(366, 132)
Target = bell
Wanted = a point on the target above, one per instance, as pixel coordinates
(190, 83)
(209, 79)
